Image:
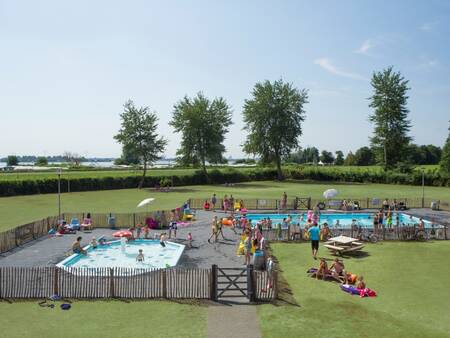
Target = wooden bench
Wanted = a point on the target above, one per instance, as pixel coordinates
(354, 248)
(358, 243)
(334, 248)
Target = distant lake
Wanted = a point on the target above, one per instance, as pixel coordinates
(107, 164)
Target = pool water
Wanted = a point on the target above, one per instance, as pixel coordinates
(345, 220)
(114, 255)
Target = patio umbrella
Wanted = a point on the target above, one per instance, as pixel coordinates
(145, 202)
(330, 193)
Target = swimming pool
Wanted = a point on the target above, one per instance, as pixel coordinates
(114, 254)
(345, 219)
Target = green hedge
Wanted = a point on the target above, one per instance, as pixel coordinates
(221, 176)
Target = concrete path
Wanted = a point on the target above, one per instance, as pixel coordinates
(231, 321)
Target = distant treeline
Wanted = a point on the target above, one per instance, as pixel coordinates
(365, 156)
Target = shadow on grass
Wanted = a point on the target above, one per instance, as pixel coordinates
(285, 293)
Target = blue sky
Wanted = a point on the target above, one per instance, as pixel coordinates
(66, 68)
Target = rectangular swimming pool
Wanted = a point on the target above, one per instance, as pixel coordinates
(115, 254)
(342, 220)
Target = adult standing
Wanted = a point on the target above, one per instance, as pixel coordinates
(214, 230)
(213, 201)
(314, 235)
(284, 200)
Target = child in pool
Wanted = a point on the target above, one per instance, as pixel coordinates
(162, 238)
(140, 256)
(94, 243)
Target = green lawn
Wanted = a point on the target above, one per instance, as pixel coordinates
(413, 294)
(103, 319)
(21, 209)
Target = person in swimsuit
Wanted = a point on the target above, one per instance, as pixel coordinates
(76, 247)
(337, 270)
(140, 256)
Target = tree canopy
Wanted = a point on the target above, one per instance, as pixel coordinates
(390, 117)
(326, 157)
(203, 124)
(273, 118)
(339, 160)
(445, 158)
(138, 133)
(364, 156)
(12, 160)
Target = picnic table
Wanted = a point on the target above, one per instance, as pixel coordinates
(342, 244)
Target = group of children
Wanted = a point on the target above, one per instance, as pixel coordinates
(338, 272)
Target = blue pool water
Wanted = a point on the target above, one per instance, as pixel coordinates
(115, 255)
(345, 219)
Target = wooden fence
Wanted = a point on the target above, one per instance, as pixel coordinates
(23, 234)
(173, 283)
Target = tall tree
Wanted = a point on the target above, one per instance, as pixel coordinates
(138, 133)
(390, 117)
(128, 157)
(364, 156)
(12, 160)
(326, 157)
(339, 158)
(273, 119)
(445, 158)
(203, 124)
(350, 159)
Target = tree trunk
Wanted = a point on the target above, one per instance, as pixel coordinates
(204, 168)
(385, 156)
(279, 171)
(141, 183)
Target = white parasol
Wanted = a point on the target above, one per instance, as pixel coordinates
(145, 202)
(330, 193)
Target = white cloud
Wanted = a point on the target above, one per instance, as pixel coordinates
(326, 64)
(364, 49)
(428, 63)
(428, 26)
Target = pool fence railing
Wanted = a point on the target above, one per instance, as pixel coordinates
(307, 203)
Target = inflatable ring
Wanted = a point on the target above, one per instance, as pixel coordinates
(226, 221)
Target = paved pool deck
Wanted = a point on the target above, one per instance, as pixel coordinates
(48, 251)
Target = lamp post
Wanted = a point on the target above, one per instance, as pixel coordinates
(423, 187)
(59, 193)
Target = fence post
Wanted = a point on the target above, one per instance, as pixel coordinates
(111, 282)
(309, 203)
(164, 283)
(289, 233)
(275, 284)
(250, 284)
(213, 295)
(367, 201)
(134, 220)
(55, 281)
